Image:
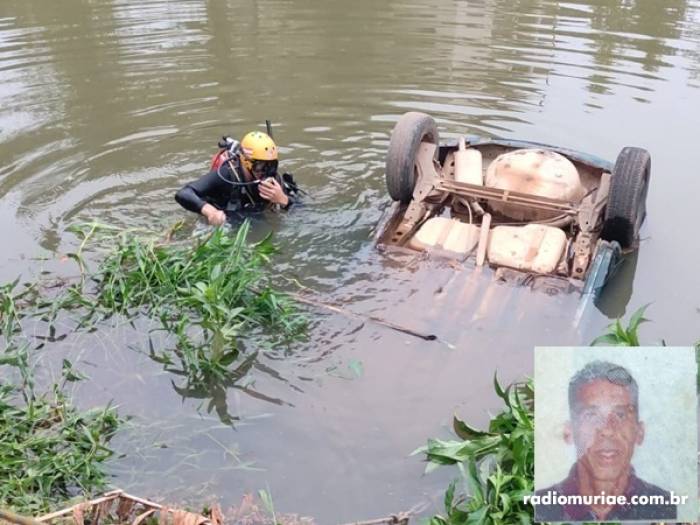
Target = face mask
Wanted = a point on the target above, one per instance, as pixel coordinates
(262, 169)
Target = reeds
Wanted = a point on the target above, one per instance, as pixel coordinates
(206, 293)
(50, 451)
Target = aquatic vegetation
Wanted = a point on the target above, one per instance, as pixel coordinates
(260, 510)
(11, 306)
(207, 295)
(49, 450)
(619, 335)
(497, 466)
(8, 310)
(266, 499)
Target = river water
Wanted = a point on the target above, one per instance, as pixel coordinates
(107, 108)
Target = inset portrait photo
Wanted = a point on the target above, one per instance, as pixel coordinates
(616, 435)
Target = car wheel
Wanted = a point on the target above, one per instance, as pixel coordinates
(411, 129)
(626, 206)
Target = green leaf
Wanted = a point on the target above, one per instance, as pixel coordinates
(70, 374)
(10, 359)
(497, 387)
(621, 334)
(266, 498)
(228, 358)
(606, 340)
(637, 319)
(505, 502)
(466, 432)
(449, 496)
(448, 452)
(475, 483)
(420, 450)
(431, 467)
(478, 517)
(356, 367)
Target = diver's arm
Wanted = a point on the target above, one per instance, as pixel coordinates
(188, 199)
(211, 187)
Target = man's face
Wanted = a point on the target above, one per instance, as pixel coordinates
(605, 429)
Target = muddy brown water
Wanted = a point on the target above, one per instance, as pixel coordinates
(106, 108)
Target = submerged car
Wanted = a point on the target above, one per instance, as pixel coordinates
(529, 210)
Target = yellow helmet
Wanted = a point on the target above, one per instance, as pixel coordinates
(258, 146)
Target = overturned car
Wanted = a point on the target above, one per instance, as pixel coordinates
(527, 209)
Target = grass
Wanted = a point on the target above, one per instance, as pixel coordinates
(12, 303)
(50, 451)
(8, 310)
(207, 294)
(496, 466)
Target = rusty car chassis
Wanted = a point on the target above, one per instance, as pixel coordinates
(599, 225)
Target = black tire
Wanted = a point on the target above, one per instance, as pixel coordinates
(626, 206)
(411, 129)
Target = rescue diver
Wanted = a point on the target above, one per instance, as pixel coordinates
(243, 178)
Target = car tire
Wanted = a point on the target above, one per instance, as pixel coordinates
(626, 206)
(411, 129)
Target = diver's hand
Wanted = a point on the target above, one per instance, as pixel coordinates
(214, 216)
(271, 190)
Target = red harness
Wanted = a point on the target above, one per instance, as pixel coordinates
(218, 159)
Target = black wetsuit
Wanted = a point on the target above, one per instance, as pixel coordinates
(223, 189)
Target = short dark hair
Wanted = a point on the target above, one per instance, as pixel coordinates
(595, 370)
